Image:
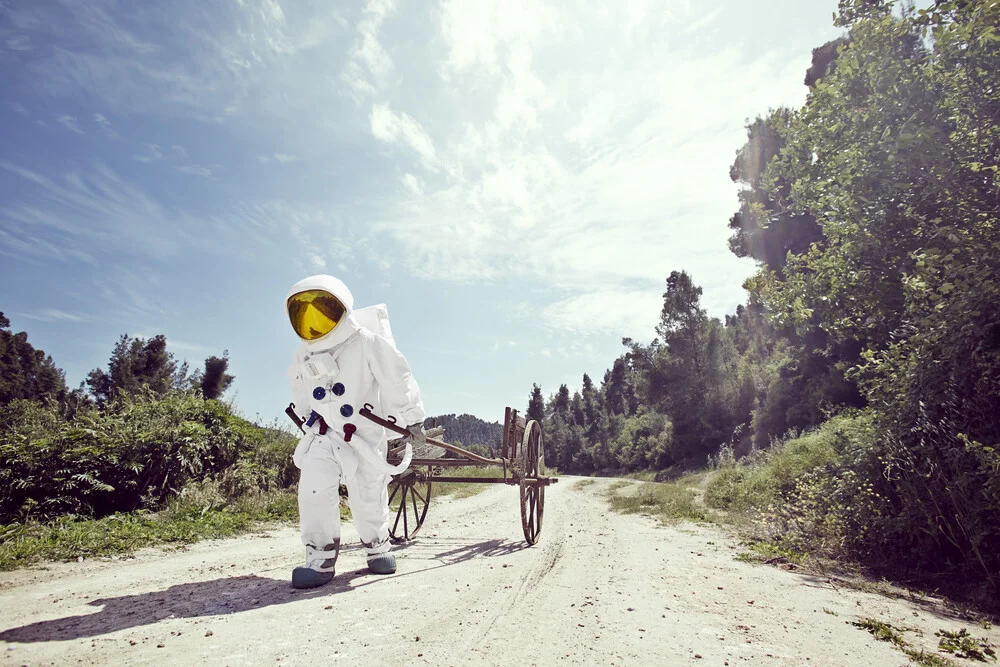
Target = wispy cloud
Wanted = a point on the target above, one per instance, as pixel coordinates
(52, 315)
(69, 122)
(19, 108)
(199, 170)
(392, 127)
(280, 158)
(594, 173)
(704, 21)
(17, 43)
(105, 125)
(153, 153)
(368, 62)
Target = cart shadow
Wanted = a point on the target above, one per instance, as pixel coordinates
(233, 595)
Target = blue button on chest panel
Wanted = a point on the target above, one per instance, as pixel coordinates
(319, 393)
(338, 389)
(346, 410)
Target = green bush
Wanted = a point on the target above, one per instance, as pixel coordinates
(136, 452)
(809, 491)
(201, 510)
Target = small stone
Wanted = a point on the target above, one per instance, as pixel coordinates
(132, 642)
(698, 655)
(79, 559)
(160, 645)
(630, 609)
(417, 638)
(209, 633)
(329, 606)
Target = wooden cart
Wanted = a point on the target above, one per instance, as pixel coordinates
(522, 460)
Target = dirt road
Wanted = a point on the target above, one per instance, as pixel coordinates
(599, 588)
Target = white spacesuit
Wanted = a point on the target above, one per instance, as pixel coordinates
(339, 367)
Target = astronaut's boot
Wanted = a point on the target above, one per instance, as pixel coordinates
(380, 561)
(319, 567)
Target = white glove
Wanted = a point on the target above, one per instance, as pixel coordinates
(417, 434)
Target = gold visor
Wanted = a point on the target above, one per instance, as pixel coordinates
(314, 313)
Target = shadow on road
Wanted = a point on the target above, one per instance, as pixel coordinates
(232, 595)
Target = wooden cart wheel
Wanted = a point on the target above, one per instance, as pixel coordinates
(531, 459)
(409, 498)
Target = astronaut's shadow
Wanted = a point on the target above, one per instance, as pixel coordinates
(233, 595)
(227, 595)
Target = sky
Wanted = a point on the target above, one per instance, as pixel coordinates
(515, 180)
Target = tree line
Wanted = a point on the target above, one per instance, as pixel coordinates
(873, 213)
(30, 374)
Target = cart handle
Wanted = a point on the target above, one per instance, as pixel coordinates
(367, 413)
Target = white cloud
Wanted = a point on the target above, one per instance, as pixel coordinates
(391, 127)
(411, 183)
(19, 108)
(69, 122)
(153, 154)
(199, 170)
(18, 43)
(566, 151)
(704, 21)
(368, 62)
(52, 315)
(105, 124)
(179, 152)
(632, 313)
(281, 158)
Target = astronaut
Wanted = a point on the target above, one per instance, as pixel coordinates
(340, 366)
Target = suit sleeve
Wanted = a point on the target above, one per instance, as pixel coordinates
(300, 393)
(397, 387)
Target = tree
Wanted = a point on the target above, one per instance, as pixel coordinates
(896, 154)
(137, 364)
(214, 379)
(26, 372)
(561, 402)
(763, 227)
(536, 404)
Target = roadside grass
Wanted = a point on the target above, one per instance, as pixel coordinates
(770, 554)
(670, 502)
(959, 643)
(199, 512)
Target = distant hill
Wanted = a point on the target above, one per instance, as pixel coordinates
(468, 430)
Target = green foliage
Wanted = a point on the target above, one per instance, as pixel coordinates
(964, 645)
(26, 373)
(136, 452)
(200, 511)
(668, 501)
(536, 405)
(887, 632)
(771, 477)
(644, 441)
(882, 631)
(136, 365)
(215, 379)
(468, 429)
